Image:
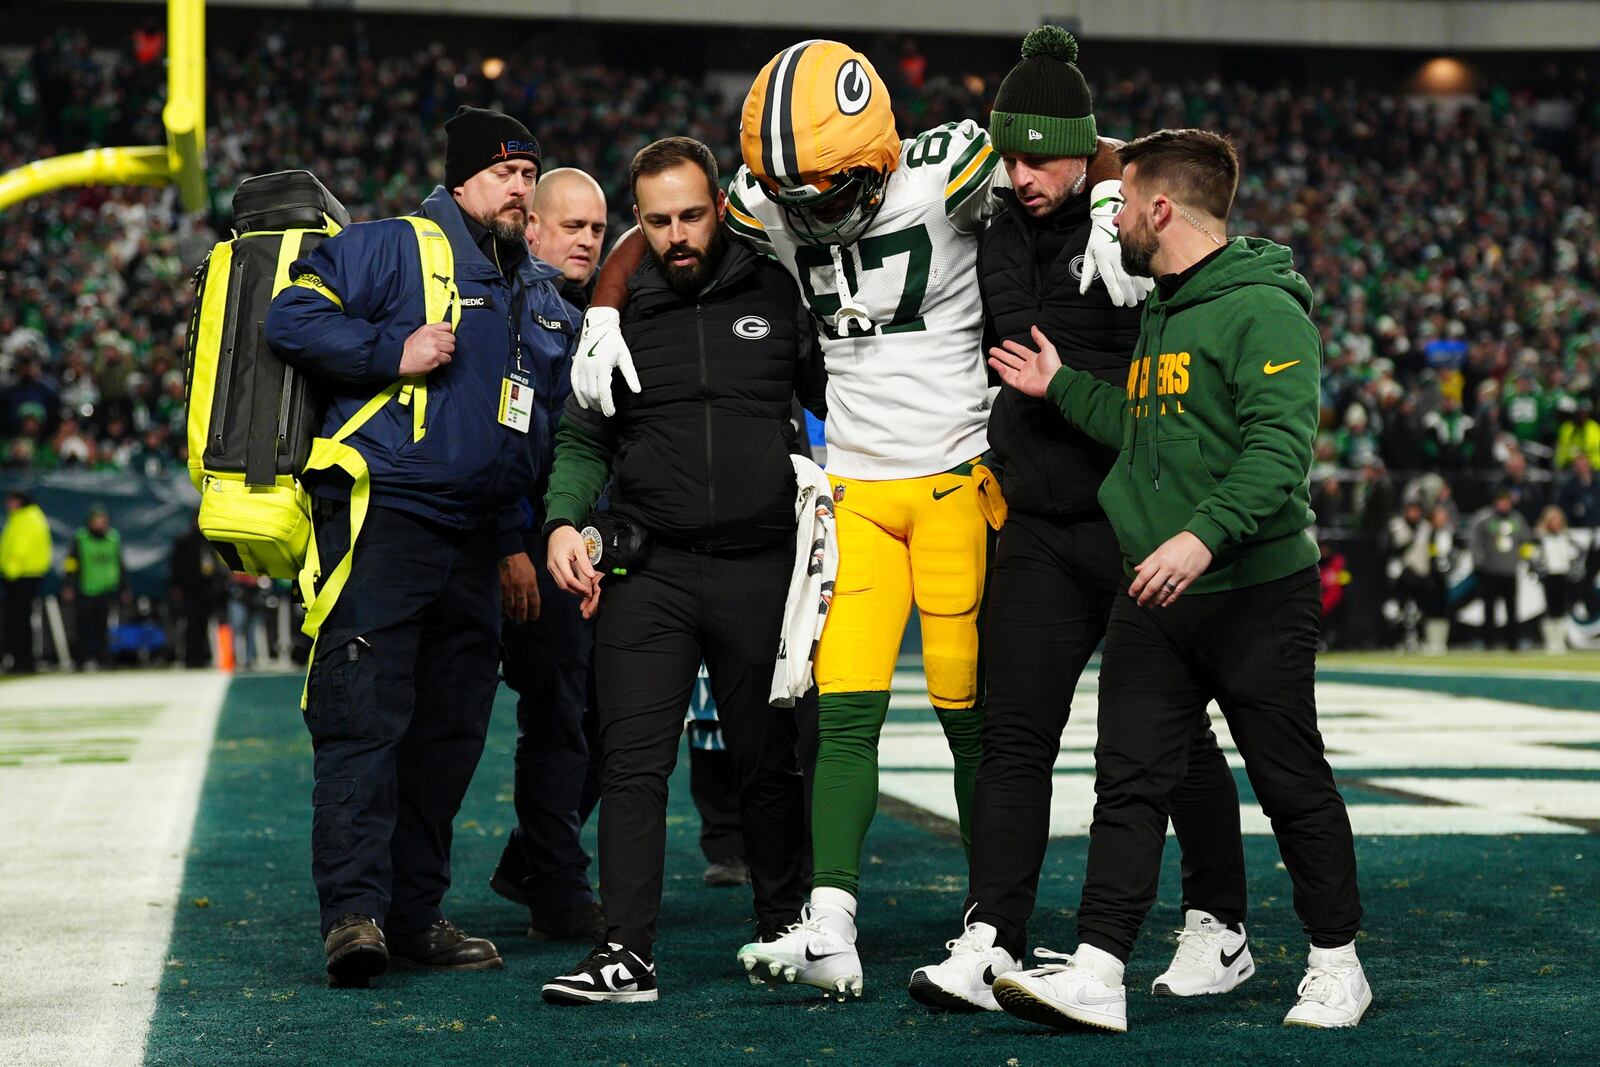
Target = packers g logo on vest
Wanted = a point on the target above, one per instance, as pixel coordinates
(752, 328)
(817, 132)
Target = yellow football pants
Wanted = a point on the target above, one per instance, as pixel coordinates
(905, 541)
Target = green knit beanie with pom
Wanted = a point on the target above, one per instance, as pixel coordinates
(1043, 107)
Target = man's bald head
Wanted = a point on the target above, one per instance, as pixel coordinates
(567, 223)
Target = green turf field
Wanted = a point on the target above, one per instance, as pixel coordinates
(1481, 950)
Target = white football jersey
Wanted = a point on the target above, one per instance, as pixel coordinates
(907, 390)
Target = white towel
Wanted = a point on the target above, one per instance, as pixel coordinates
(816, 565)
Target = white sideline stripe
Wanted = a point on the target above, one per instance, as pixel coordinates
(94, 859)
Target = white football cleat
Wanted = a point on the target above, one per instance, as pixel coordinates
(1210, 959)
(962, 982)
(811, 952)
(1074, 994)
(1334, 993)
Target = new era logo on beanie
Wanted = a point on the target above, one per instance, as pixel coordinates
(1043, 107)
(479, 138)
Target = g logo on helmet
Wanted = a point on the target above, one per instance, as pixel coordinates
(852, 88)
(752, 328)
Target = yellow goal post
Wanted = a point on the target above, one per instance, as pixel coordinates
(181, 161)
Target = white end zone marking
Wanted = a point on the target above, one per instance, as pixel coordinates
(1370, 731)
(1072, 808)
(94, 856)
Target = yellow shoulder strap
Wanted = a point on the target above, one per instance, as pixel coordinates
(442, 303)
(328, 453)
(442, 299)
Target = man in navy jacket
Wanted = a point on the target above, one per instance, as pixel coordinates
(404, 674)
(547, 646)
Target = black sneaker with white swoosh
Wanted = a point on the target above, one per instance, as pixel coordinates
(609, 974)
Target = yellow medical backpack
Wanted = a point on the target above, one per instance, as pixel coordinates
(252, 418)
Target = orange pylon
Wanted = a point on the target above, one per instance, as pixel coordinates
(225, 648)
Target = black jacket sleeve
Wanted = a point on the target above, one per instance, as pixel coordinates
(811, 373)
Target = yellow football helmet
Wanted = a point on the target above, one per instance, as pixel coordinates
(818, 134)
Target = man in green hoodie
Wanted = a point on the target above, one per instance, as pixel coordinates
(1210, 504)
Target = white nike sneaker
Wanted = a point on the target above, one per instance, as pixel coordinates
(1210, 959)
(1334, 993)
(1085, 990)
(810, 952)
(962, 982)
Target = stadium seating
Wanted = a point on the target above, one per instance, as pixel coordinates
(1453, 248)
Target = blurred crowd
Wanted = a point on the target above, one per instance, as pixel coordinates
(1452, 244)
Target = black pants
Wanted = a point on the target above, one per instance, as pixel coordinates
(93, 614)
(557, 784)
(1254, 652)
(398, 702)
(1049, 596)
(714, 785)
(655, 627)
(196, 629)
(21, 596)
(1412, 594)
(1560, 590)
(1499, 589)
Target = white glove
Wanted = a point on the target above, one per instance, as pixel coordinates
(601, 350)
(1103, 257)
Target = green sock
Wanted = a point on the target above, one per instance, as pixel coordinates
(963, 731)
(844, 794)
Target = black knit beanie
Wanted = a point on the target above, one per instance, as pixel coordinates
(478, 138)
(1043, 106)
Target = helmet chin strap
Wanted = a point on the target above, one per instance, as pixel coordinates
(849, 310)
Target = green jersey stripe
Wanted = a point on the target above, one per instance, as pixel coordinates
(966, 157)
(977, 181)
(745, 231)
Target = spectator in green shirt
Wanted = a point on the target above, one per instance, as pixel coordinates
(95, 577)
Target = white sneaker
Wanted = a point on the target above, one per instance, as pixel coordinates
(962, 982)
(1210, 959)
(1082, 991)
(1334, 992)
(814, 951)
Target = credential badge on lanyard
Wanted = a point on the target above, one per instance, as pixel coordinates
(516, 388)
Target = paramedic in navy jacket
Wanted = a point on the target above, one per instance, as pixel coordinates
(400, 687)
